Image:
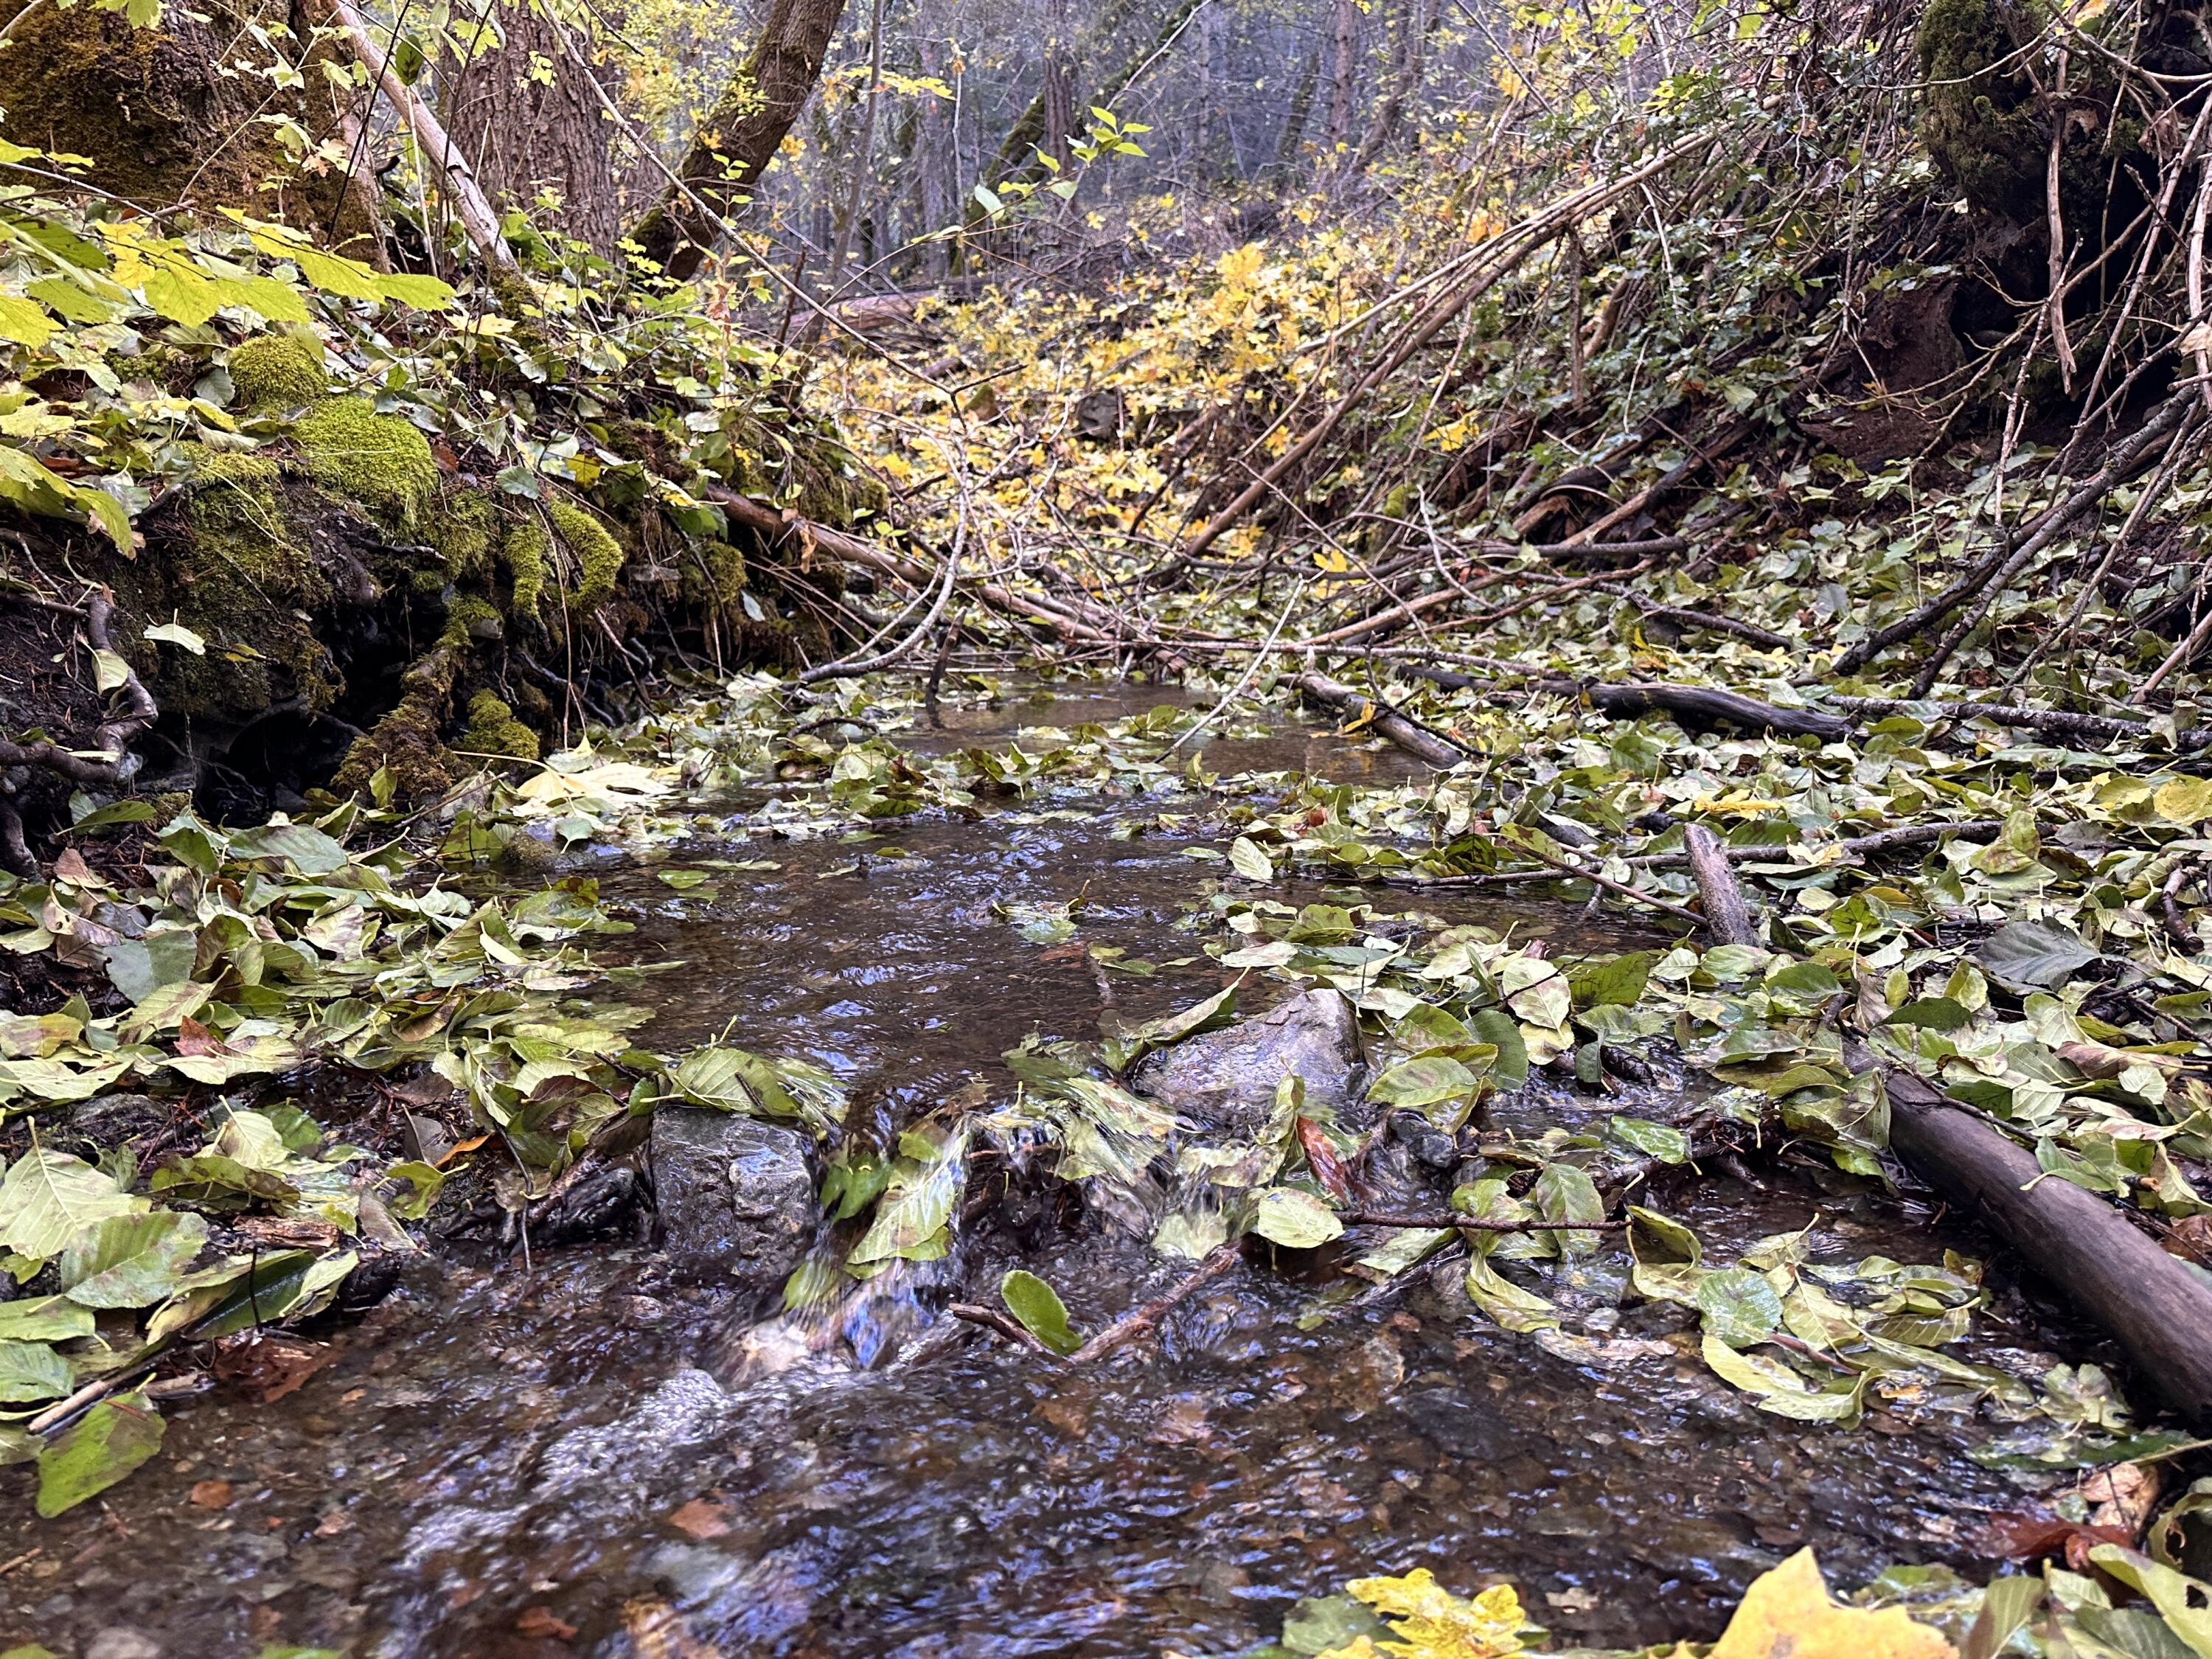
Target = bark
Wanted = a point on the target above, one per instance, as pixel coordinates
(933, 166)
(1727, 916)
(1344, 72)
(2158, 1306)
(735, 144)
(165, 124)
(530, 138)
(1415, 739)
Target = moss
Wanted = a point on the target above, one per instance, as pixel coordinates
(1981, 121)
(469, 618)
(278, 370)
(599, 555)
(379, 461)
(493, 730)
(463, 529)
(404, 744)
(712, 575)
(527, 551)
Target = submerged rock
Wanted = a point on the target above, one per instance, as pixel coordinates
(736, 1195)
(1226, 1080)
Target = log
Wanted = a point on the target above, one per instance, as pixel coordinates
(1691, 704)
(1414, 739)
(2156, 1306)
(1727, 916)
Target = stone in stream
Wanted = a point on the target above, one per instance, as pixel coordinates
(736, 1195)
(1226, 1080)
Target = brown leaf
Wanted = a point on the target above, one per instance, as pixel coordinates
(195, 1039)
(1322, 1160)
(209, 1494)
(702, 1518)
(543, 1621)
(2025, 1535)
(270, 1366)
(72, 866)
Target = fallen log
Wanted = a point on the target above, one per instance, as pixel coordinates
(2158, 1306)
(1414, 739)
(1694, 704)
(1727, 917)
(1081, 624)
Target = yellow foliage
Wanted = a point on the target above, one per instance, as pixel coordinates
(1431, 1623)
(1787, 1613)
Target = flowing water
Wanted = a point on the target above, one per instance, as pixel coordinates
(506, 1460)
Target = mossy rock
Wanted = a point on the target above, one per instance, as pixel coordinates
(713, 575)
(494, 730)
(278, 370)
(379, 461)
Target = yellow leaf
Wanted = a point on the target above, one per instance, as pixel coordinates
(2183, 800)
(1787, 1614)
(1737, 802)
(1431, 1623)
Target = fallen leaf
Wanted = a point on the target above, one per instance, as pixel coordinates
(702, 1518)
(543, 1622)
(1788, 1613)
(209, 1494)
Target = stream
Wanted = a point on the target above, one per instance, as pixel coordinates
(541, 1460)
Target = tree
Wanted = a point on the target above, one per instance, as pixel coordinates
(735, 143)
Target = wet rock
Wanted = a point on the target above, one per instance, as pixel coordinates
(110, 1120)
(736, 1196)
(121, 1642)
(1226, 1080)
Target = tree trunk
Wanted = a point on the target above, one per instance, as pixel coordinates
(166, 124)
(1409, 59)
(932, 165)
(735, 144)
(532, 137)
(1344, 74)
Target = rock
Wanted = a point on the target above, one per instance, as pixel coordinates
(1226, 1078)
(736, 1196)
(121, 1642)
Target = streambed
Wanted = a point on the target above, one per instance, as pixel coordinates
(539, 1460)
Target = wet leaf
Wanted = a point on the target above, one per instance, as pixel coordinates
(2034, 955)
(1427, 1621)
(47, 1198)
(1789, 1612)
(110, 1440)
(1247, 859)
(1294, 1219)
(130, 1261)
(1738, 1306)
(1039, 1308)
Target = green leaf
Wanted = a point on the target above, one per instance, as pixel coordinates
(2034, 955)
(1039, 1308)
(2181, 1600)
(48, 1198)
(1494, 1025)
(1565, 1193)
(101, 1447)
(31, 1371)
(1294, 1219)
(130, 1261)
(1660, 1140)
(178, 635)
(182, 296)
(1618, 980)
(1781, 1390)
(423, 293)
(1512, 1307)
(1931, 1013)
(307, 850)
(43, 1319)
(911, 1216)
(1740, 1307)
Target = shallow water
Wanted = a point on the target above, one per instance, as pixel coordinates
(534, 1461)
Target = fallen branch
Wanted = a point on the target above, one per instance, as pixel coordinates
(2050, 722)
(1695, 703)
(1141, 1319)
(1719, 894)
(1005, 1325)
(1468, 1223)
(477, 219)
(1357, 707)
